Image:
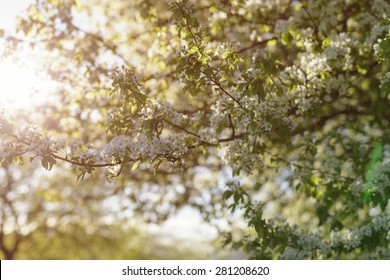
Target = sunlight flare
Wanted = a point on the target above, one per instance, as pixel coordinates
(22, 87)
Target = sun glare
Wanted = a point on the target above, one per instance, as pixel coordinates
(21, 87)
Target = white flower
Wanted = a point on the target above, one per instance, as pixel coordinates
(117, 147)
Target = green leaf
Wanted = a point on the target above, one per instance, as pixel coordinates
(48, 162)
(286, 38)
(45, 163)
(52, 162)
(16, 160)
(208, 72)
(81, 175)
(376, 157)
(156, 166)
(227, 194)
(337, 225)
(135, 165)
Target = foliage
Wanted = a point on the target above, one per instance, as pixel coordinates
(113, 244)
(284, 102)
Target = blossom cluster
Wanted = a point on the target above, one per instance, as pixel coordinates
(7, 148)
(142, 148)
(161, 110)
(352, 239)
(238, 155)
(338, 53)
(349, 240)
(39, 144)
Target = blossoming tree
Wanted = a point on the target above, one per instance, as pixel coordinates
(275, 109)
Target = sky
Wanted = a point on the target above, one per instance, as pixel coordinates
(15, 94)
(9, 9)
